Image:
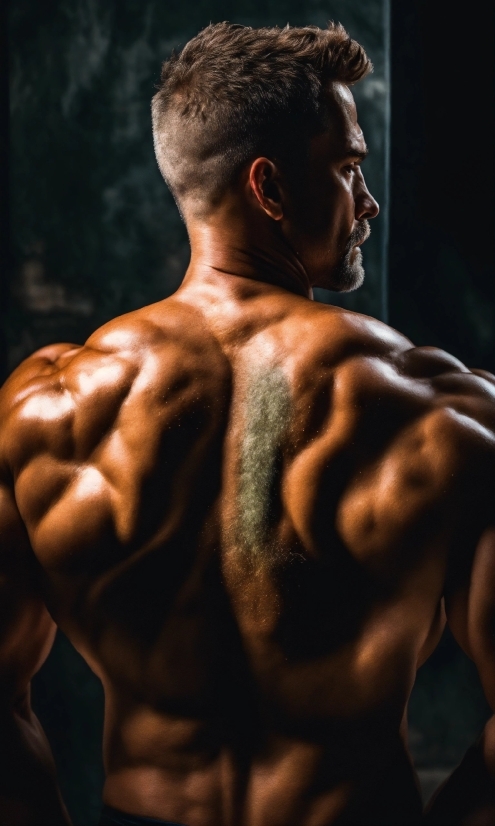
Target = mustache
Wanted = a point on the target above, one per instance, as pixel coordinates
(359, 234)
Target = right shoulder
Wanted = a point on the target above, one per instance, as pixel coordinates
(368, 360)
(401, 423)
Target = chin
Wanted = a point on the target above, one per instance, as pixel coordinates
(348, 275)
(351, 283)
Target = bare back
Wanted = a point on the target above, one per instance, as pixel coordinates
(245, 513)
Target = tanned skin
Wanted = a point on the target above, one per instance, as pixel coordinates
(246, 510)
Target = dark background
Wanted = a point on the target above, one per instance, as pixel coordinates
(441, 265)
(94, 232)
(442, 268)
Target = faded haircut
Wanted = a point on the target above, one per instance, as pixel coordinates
(235, 93)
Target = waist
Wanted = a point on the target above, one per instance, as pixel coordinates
(290, 785)
(114, 817)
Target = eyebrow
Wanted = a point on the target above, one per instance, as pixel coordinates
(352, 152)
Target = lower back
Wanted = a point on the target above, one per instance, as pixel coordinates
(286, 783)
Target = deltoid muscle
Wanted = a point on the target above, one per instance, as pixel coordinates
(266, 416)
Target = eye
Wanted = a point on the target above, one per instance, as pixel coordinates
(350, 167)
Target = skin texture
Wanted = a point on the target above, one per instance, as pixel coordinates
(247, 510)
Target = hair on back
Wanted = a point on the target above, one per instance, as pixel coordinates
(234, 93)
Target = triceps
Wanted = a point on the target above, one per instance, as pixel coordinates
(26, 628)
(480, 615)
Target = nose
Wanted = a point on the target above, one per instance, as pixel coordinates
(366, 206)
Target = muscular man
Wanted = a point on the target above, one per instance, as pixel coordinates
(246, 509)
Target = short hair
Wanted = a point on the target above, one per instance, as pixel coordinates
(234, 93)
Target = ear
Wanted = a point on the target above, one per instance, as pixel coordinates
(264, 180)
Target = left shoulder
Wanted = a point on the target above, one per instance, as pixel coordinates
(466, 394)
(58, 399)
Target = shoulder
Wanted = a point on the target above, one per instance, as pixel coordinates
(65, 398)
(360, 384)
(404, 435)
(41, 401)
(366, 358)
(334, 334)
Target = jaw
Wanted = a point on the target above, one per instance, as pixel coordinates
(345, 276)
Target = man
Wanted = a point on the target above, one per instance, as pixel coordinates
(246, 509)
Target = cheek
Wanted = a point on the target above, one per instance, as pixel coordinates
(321, 221)
(318, 211)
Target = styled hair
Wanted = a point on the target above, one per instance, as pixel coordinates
(235, 93)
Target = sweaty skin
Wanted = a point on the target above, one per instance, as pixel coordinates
(245, 510)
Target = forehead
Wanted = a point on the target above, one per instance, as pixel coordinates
(341, 100)
(344, 132)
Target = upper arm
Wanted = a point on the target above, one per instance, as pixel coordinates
(406, 453)
(470, 608)
(60, 414)
(470, 580)
(468, 392)
(26, 628)
(481, 612)
(103, 435)
(63, 455)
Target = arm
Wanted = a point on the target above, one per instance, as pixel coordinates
(468, 795)
(42, 428)
(456, 423)
(28, 788)
(457, 470)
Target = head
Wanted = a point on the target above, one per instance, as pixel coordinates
(265, 116)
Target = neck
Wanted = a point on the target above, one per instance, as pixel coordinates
(258, 252)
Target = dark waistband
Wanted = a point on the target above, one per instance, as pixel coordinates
(112, 817)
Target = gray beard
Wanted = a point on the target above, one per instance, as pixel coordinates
(349, 274)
